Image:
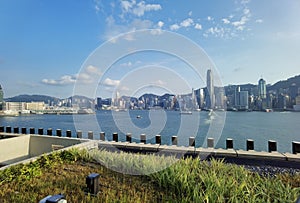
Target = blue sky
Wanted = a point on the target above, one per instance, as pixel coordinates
(45, 45)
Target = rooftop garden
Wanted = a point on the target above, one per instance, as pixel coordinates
(183, 180)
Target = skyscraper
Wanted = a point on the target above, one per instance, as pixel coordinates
(262, 90)
(210, 89)
(1, 98)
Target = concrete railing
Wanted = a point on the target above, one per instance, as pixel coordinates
(272, 145)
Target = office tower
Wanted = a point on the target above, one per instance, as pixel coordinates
(194, 99)
(293, 92)
(210, 90)
(237, 96)
(99, 103)
(241, 99)
(244, 100)
(220, 98)
(262, 90)
(1, 98)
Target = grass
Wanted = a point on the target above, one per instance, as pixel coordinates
(184, 180)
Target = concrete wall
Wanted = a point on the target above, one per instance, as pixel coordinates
(14, 149)
(40, 144)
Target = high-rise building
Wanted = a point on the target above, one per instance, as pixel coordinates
(241, 99)
(293, 92)
(210, 89)
(262, 89)
(99, 103)
(1, 98)
(220, 97)
(244, 100)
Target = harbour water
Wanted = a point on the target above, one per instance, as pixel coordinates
(283, 127)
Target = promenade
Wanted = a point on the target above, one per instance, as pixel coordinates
(18, 146)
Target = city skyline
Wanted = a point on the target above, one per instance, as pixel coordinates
(3, 92)
(44, 47)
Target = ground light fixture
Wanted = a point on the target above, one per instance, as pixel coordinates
(54, 199)
(92, 183)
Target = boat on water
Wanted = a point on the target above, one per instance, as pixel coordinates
(138, 116)
(85, 111)
(9, 113)
(268, 110)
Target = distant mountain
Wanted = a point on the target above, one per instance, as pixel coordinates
(284, 84)
(32, 98)
(78, 97)
(152, 96)
(147, 96)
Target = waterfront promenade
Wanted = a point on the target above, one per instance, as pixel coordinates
(29, 145)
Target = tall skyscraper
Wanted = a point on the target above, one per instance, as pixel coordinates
(262, 89)
(1, 98)
(210, 89)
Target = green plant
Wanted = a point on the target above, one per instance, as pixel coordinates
(183, 180)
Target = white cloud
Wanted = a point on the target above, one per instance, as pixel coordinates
(160, 24)
(244, 2)
(128, 64)
(174, 27)
(225, 21)
(88, 75)
(123, 88)
(142, 8)
(241, 22)
(159, 82)
(138, 9)
(187, 22)
(209, 18)
(240, 28)
(129, 37)
(190, 13)
(64, 80)
(126, 5)
(259, 21)
(110, 82)
(198, 26)
(246, 11)
(98, 6)
(93, 70)
(114, 30)
(156, 31)
(217, 32)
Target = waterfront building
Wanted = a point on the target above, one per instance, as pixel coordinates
(262, 89)
(210, 90)
(1, 98)
(15, 106)
(297, 106)
(35, 106)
